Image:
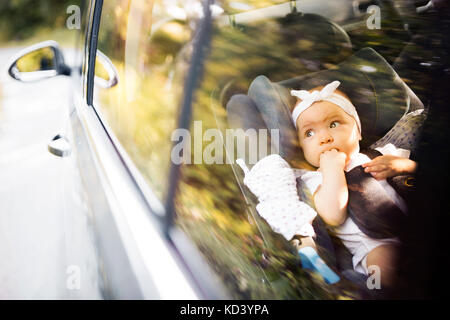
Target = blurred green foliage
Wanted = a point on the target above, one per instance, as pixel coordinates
(42, 59)
(22, 19)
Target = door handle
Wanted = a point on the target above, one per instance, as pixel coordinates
(59, 146)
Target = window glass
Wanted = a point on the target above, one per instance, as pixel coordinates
(148, 44)
(212, 205)
(284, 41)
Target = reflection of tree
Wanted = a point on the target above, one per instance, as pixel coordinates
(145, 123)
(42, 59)
(142, 107)
(22, 18)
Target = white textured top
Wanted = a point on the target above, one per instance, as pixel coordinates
(273, 182)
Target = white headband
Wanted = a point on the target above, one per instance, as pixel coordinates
(326, 94)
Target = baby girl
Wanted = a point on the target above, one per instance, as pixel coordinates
(329, 131)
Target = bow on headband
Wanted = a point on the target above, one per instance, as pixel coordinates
(326, 94)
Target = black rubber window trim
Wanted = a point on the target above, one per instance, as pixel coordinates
(93, 50)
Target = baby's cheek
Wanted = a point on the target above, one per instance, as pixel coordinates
(309, 152)
(312, 157)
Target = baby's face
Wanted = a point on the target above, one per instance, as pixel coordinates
(325, 126)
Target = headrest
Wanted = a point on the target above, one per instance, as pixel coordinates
(242, 113)
(292, 45)
(272, 101)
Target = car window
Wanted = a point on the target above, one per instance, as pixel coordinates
(149, 46)
(212, 205)
(280, 42)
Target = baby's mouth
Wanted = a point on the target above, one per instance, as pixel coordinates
(329, 149)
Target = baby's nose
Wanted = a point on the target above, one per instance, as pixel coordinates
(326, 138)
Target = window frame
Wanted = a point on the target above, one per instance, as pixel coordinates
(156, 208)
(188, 256)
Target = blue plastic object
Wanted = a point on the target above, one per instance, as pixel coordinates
(311, 260)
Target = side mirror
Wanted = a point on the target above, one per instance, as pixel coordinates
(45, 60)
(40, 61)
(106, 75)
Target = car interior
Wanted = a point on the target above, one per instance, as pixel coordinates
(258, 97)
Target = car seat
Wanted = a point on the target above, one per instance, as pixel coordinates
(294, 44)
(389, 112)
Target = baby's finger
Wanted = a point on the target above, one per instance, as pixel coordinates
(379, 175)
(370, 164)
(375, 168)
(373, 162)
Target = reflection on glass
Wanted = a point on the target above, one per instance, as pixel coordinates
(100, 70)
(41, 59)
(252, 261)
(149, 51)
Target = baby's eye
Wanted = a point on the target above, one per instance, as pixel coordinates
(309, 133)
(334, 124)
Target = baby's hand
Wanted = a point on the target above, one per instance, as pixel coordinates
(386, 166)
(332, 159)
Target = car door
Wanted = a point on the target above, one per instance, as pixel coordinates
(126, 200)
(163, 226)
(167, 214)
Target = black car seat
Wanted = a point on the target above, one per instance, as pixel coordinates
(389, 112)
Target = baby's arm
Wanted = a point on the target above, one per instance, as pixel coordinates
(387, 166)
(332, 196)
